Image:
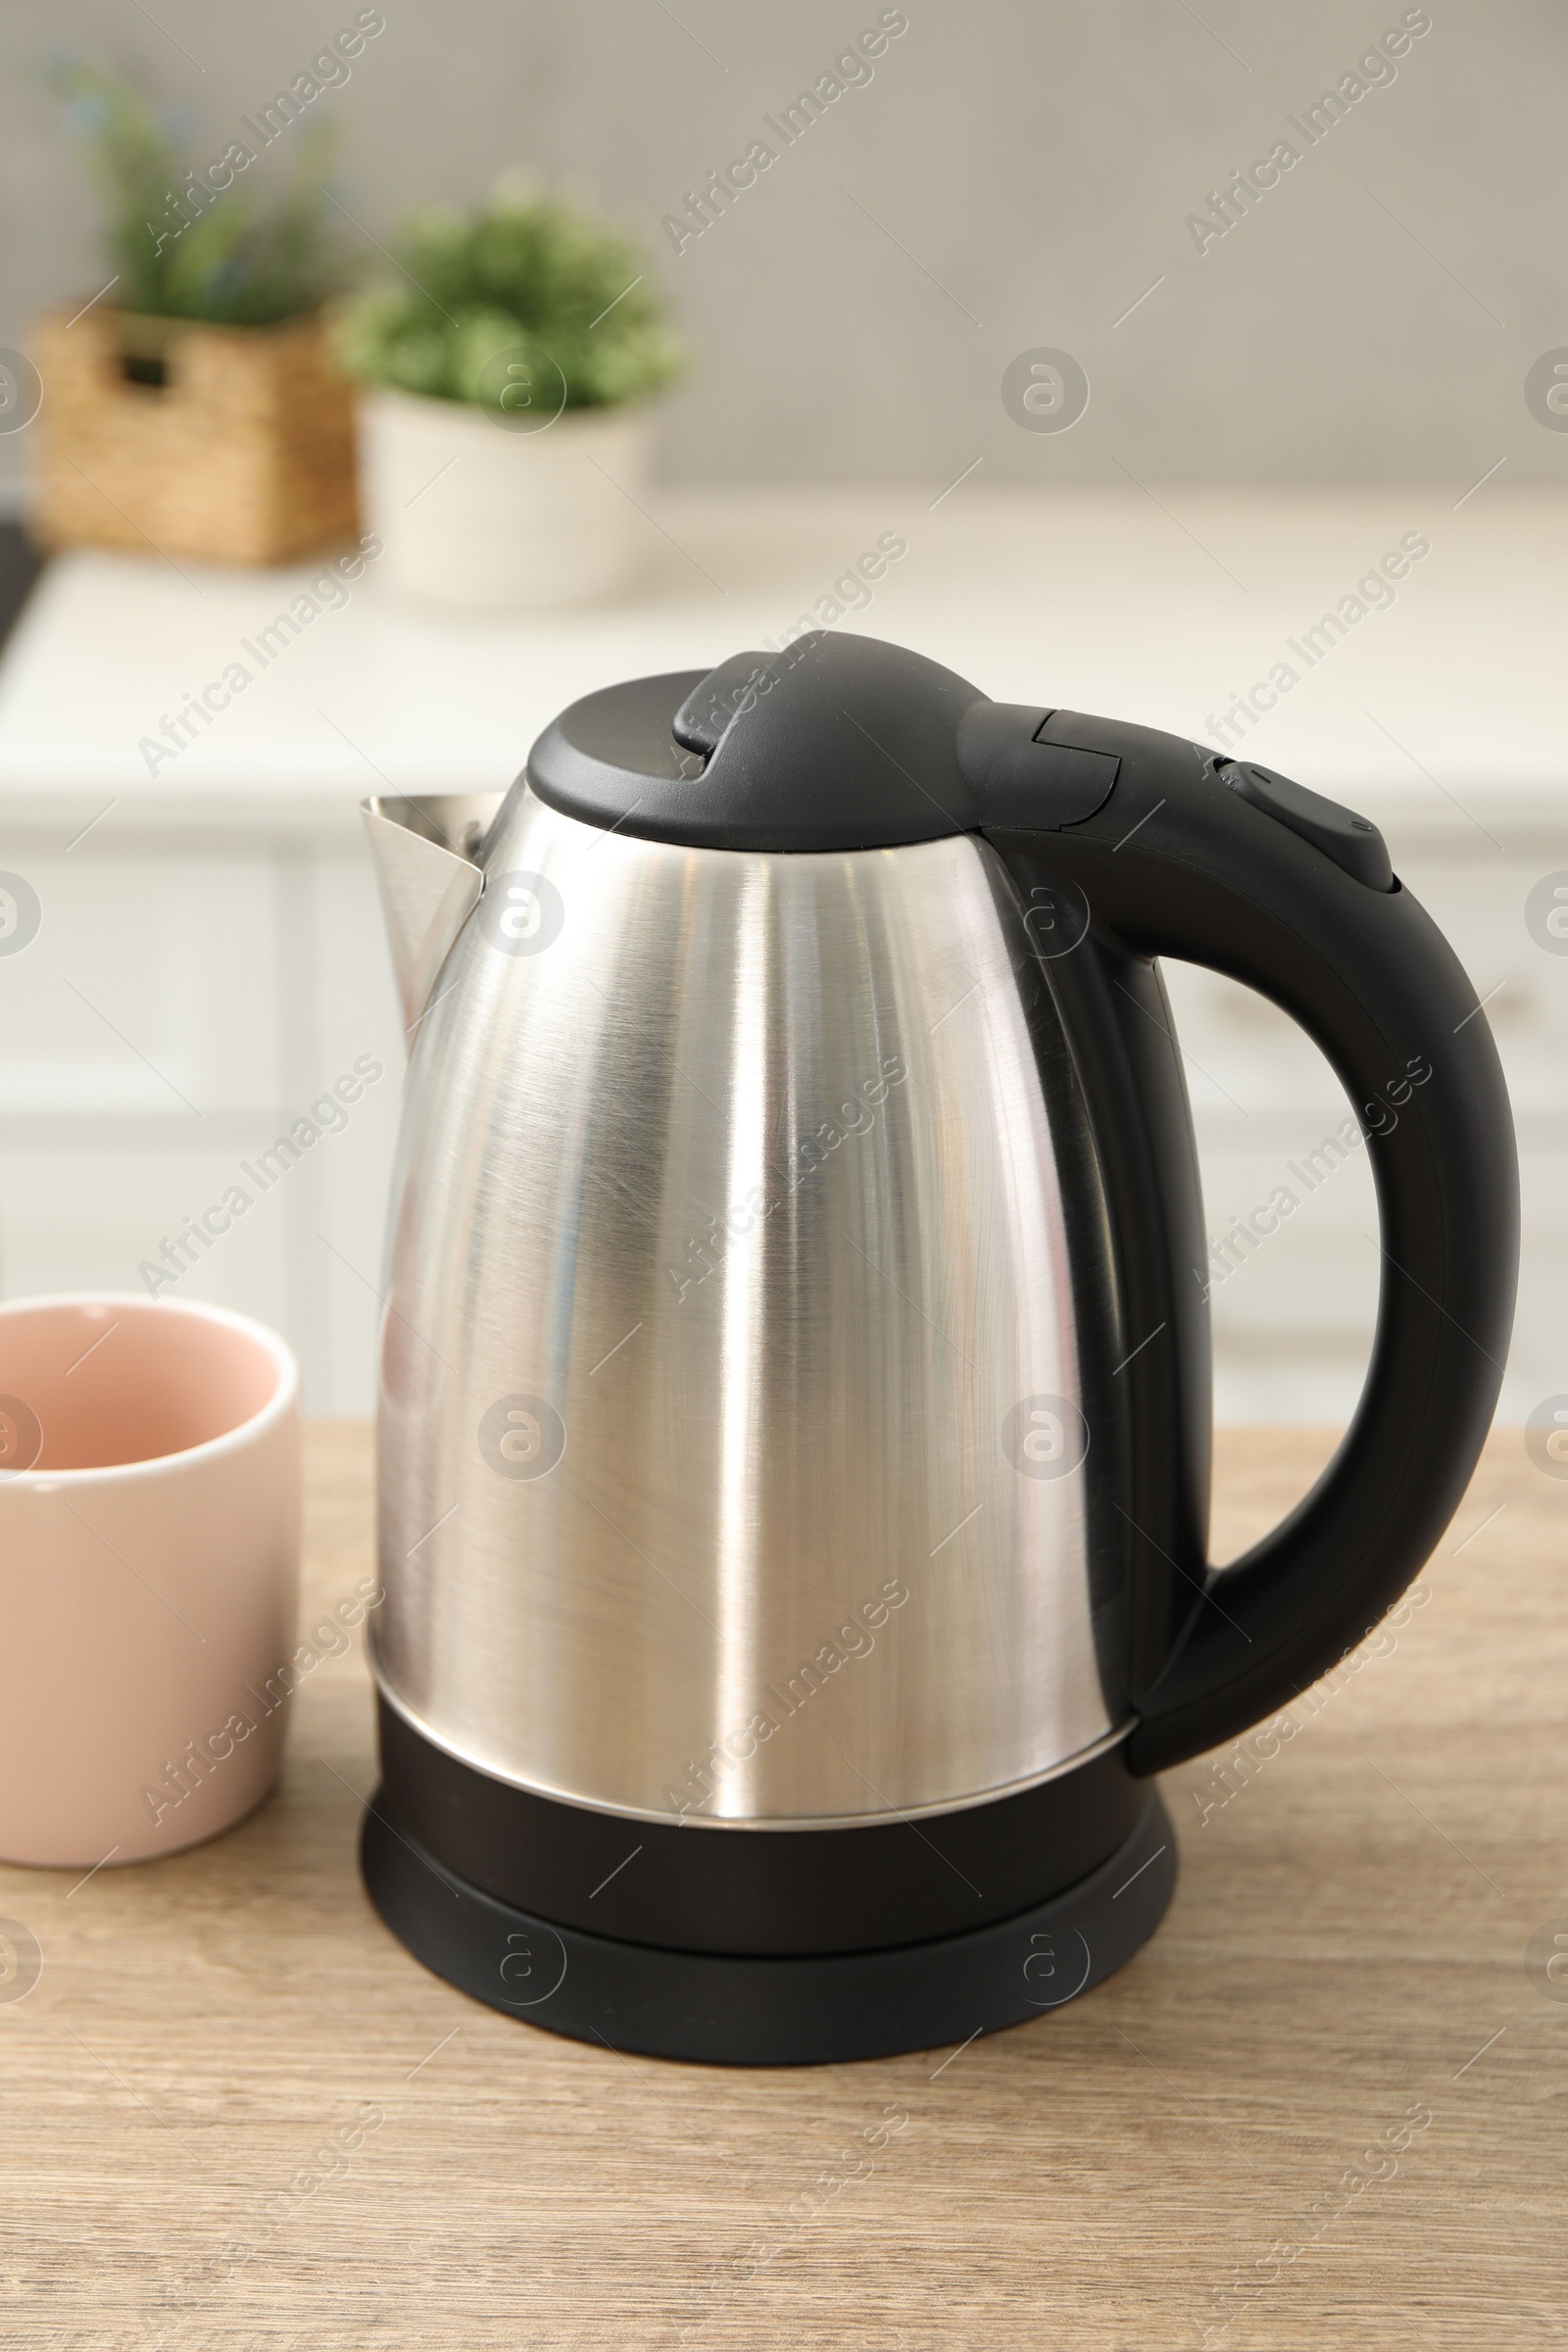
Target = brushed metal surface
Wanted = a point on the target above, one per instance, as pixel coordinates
(732, 1229)
(429, 883)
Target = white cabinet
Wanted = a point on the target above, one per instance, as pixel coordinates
(152, 986)
(85, 1212)
(190, 1000)
(186, 1002)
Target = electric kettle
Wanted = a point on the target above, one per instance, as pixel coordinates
(794, 1406)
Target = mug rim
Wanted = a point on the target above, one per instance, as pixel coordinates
(277, 1407)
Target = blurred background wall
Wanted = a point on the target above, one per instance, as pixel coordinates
(1013, 175)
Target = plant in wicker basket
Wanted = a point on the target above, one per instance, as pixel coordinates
(199, 411)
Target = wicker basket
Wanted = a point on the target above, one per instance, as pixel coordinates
(235, 443)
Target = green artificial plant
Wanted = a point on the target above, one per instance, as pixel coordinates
(526, 291)
(182, 247)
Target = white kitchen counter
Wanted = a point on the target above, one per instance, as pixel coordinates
(211, 955)
(1100, 601)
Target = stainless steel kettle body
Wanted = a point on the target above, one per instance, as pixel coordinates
(793, 1424)
(746, 1251)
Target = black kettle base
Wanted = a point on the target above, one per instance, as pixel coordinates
(722, 2009)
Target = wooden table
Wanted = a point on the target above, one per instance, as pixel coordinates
(1344, 1971)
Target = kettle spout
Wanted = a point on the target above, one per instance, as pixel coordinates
(426, 852)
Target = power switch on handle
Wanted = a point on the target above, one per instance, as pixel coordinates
(1352, 841)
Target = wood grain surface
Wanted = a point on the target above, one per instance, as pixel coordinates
(1326, 2106)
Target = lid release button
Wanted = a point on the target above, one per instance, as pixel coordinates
(1024, 779)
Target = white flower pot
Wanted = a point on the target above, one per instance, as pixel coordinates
(471, 514)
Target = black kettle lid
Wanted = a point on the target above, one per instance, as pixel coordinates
(833, 743)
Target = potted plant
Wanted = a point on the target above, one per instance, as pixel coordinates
(503, 416)
(194, 405)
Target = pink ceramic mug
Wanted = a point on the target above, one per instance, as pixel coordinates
(149, 1573)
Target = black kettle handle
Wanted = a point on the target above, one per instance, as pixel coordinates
(1186, 854)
